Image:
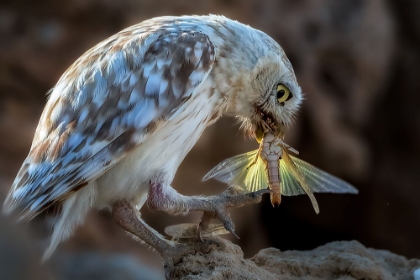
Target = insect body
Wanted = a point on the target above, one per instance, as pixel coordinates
(271, 153)
(271, 166)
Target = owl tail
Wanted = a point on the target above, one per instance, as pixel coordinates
(74, 210)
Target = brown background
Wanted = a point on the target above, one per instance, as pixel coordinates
(358, 64)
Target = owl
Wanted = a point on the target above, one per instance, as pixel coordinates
(123, 116)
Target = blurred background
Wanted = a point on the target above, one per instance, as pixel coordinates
(358, 64)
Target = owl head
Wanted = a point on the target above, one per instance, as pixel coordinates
(263, 92)
(277, 96)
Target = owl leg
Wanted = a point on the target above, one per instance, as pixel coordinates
(164, 198)
(127, 217)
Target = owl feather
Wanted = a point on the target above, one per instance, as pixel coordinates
(97, 114)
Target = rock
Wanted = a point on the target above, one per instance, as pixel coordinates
(224, 261)
(20, 259)
(336, 260)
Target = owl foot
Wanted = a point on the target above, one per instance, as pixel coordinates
(172, 253)
(164, 198)
(219, 208)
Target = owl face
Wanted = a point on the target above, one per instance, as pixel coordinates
(277, 96)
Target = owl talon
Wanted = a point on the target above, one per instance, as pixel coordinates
(219, 205)
(162, 198)
(234, 234)
(204, 223)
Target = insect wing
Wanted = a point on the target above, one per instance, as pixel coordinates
(189, 230)
(230, 168)
(321, 181)
(293, 181)
(244, 170)
(256, 176)
(299, 177)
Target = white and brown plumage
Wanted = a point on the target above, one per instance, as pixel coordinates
(122, 118)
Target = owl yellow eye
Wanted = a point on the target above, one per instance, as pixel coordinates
(283, 94)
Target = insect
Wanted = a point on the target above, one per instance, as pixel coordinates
(189, 231)
(272, 166)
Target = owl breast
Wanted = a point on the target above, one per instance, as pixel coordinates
(158, 158)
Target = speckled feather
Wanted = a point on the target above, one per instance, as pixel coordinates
(104, 106)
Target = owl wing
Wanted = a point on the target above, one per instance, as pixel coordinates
(104, 106)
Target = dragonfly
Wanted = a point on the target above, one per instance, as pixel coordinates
(272, 166)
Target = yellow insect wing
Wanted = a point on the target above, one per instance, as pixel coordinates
(321, 181)
(256, 178)
(293, 180)
(245, 170)
(248, 172)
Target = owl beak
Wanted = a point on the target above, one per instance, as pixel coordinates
(263, 122)
(263, 128)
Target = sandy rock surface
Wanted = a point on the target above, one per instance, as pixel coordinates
(336, 260)
(221, 259)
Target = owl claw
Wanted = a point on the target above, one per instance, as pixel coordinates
(234, 234)
(161, 198)
(219, 209)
